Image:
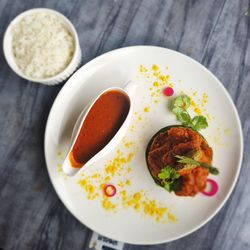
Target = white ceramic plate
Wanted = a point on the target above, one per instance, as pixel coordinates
(125, 221)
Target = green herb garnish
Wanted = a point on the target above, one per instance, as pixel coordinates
(199, 122)
(179, 107)
(187, 160)
(180, 104)
(169, 178)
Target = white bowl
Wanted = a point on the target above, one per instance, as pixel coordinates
(8, 52)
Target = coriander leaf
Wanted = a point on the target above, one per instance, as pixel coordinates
(173, 185)
(176, 110)
(164, 174)
(199, 122)
(187, 160)
(176, 185)
(180, 103)
(179, 107)
(184, 118)
(167, 186)
(168, 176)
(168, 173)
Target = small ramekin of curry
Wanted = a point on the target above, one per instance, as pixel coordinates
(178, 157)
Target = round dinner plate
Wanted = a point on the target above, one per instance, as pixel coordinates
(142, 212)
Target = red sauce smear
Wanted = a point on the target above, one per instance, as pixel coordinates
(101, 124)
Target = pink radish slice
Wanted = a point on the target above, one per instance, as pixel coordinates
(109, 190)
(213, 186)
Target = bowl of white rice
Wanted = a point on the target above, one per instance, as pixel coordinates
(41, 45)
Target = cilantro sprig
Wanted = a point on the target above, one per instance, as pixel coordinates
(187, 160)
(179, 107)
(169, 178)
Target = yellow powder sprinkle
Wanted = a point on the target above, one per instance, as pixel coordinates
(172, 217)
(117, 163)
(94, 176)
(59, 153)
(83, 182)
(164, 78)
(123, 193)
(146, 109)
(140, 202)
(137, 196)
(107, 179)
(59, 167)
(128, 144)
(137, 206)
(156, 84)
(143, 69)
(108, 205)
(199, 105)
(130, 157)
(121, 184)
(157, 74)
(90, 188)
(204, 99)
(197, 111)
(161, 81)
(193, 103)
(155, 67)
(128, 182)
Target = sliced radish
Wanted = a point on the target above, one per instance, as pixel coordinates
(213, 188)
(109, 190)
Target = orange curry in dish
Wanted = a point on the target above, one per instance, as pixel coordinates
(179, 140)
(101, 124)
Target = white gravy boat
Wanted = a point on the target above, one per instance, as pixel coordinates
(67, 165)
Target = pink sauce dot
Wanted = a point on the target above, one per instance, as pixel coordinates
(168, 91)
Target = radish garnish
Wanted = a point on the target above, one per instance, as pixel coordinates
(213, 188)
(109, 190)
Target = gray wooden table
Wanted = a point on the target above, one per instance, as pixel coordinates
(215, 33)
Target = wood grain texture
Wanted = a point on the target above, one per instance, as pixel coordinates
(215, 33)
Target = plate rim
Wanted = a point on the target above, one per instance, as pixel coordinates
(234, 109)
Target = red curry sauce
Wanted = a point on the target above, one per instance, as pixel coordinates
(101, 124)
